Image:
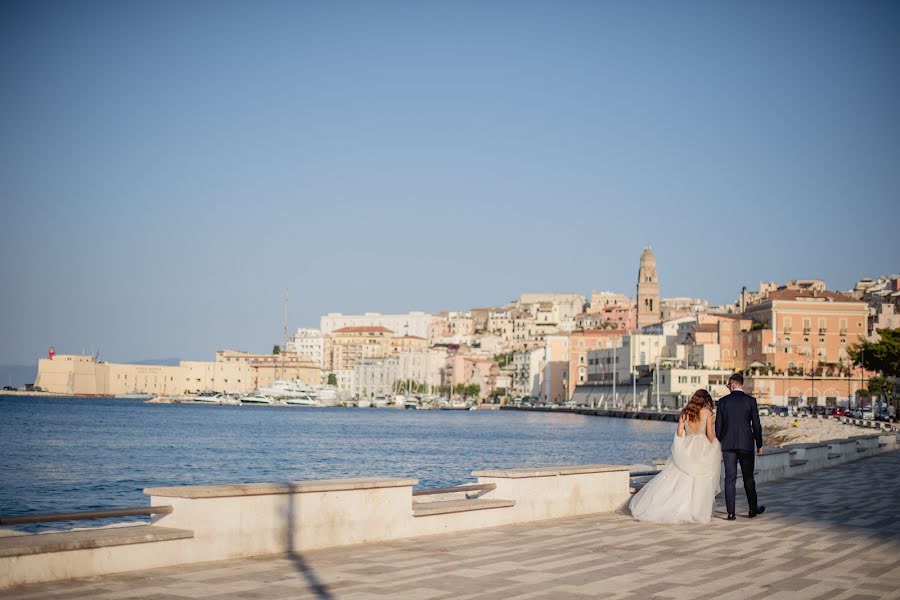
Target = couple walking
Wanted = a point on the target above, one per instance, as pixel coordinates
(685, 490)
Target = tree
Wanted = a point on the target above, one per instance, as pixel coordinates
(503, 360)
(332, 379)
(472, 390)
(276, 349)
(882, 357)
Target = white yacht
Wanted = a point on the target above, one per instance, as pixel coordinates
(457, 405)
(326, 394)
(380, 401)
(257, 399)
(281, 388)
(363, 403)
(302, 401)
(134, 396)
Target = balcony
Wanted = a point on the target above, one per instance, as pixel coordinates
(806, 331)
(822, 331)
(787, 330)
(843, 331)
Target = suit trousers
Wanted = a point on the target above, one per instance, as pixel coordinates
(747, 459)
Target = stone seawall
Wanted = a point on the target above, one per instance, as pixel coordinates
(219, 522)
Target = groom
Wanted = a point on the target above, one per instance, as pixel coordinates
(737, 427)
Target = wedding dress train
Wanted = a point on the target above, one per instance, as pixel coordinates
(685, 490)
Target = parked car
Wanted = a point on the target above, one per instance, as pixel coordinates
(882, 415)
(820, 411)
(8, 388)
(838, 411)
(867, 414)
(781, 411)
(856, 413)
(764, 411)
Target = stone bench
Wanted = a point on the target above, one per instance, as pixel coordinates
(85, 539)
(443, 507)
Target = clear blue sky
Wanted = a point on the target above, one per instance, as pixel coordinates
(168, 168)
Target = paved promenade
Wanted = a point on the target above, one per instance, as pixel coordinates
(832, 535)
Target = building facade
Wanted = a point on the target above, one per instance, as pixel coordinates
(230, 372)
(344, 346)
(309, 342)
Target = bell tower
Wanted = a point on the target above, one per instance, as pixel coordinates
(648, 311)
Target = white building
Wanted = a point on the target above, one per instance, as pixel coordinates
(527, 368)
(414, 323)
(309, 342)
(374, 377)
(677, 385)
(422, 366)
(637, 349)
(566, 306)
(345, 383)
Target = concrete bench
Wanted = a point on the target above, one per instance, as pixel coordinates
(85, 539)
(443, 507)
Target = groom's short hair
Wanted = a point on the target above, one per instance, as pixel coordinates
(736, 378)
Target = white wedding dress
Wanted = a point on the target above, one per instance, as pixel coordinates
(685, 490)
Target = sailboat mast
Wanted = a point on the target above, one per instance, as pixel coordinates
(284, 331)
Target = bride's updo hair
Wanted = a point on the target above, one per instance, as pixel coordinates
(700, 400)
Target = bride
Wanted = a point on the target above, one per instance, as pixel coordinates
(685, 490)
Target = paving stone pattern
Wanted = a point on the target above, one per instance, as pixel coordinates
(832, 535)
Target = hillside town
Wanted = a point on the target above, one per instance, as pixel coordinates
(791, 340)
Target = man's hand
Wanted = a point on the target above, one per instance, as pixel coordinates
(759, 452)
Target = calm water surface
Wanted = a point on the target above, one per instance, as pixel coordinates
(60, 455)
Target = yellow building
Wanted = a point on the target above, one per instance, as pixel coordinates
(344, 346)
(408, 343)
(231, 371)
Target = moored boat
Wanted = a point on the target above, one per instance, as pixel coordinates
(302, 401)
(257, 399)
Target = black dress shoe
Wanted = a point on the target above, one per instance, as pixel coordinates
(731, 517)
(759, 510)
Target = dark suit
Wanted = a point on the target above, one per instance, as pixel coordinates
(738, 428)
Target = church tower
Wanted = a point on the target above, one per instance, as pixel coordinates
(648, 312)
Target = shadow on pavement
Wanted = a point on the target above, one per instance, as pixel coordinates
(315, 585)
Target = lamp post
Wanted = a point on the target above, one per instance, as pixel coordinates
(614, 373)
(633, 387)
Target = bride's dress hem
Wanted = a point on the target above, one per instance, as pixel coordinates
(684, 490)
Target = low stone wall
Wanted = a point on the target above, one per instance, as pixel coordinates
(233, 521)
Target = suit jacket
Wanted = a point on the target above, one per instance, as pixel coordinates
(737, 422)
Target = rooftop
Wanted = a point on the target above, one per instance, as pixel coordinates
(802, 294)
(363, 329)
